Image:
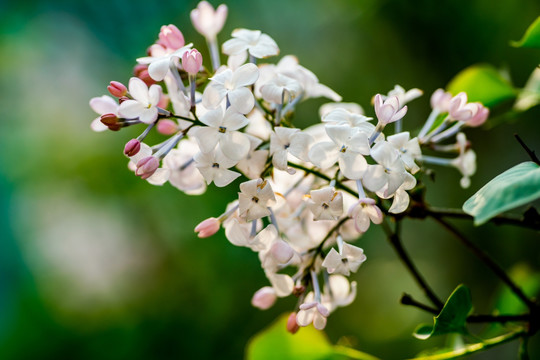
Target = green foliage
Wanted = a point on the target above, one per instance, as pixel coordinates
(514, 187)
(452, 318)
(531, 37)
(482, 83)
(528, 281)
(530, 95)
(275, 342)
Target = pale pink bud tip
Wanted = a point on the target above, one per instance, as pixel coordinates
(264, 298)
(192, 61)
(292, 325)
(480, 117)
(132, 147)
(207, 227)
(117, 89)
(147, 167)
(171, 38)
(167, 127)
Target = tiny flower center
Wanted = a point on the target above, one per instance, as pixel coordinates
(215, 165)
(286, 146)
(325, 206)
(255, 199)
(343, 149)
(344, 260)
(222, 129)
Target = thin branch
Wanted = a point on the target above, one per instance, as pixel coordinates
(407, 299)
(395, 241)
(486, 259)
(324, 177)
(527, 149)
(420, 211)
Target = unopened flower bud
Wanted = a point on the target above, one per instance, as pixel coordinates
(170, 37)
(167, 127)
(141, 71)
(440, 100)
(264, 298)
(281, 251)
(298, 290)
(111, 121)
(132, 147)
(117, 89)
(146, 167)
(480, 117)
(163, 101)
(292, 325)
(207, 227)
(207, 21)
(192, 61)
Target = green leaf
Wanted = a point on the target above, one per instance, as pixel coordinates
(531, 37)
(452, 318)
(528, 281)
(275, 342)
(514, 187)
(530, 95)
(482, 83)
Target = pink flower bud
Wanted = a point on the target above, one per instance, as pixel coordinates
(207, 21)
(170, 37)
(132, 147)
(141, 71)
(264, 298)
(388, 111)
(460, 110)
(440, 100)
(111, 121)
(163, 101)
(146, 167)
(281, 251)
(117, 89)
(292, 325)
(207, 227)
(167, 127)
(480, 117)
(192, 61)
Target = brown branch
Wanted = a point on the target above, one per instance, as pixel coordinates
(528, 150)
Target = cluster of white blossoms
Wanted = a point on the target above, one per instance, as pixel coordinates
(304, 194)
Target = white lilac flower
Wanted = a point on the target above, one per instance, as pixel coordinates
(254, 162)
(401, 197)
(276, 252)
(344, 262)
(284, 141)
(340, 292)
(257, 44)
(232, 85)
(409, 150)
(254, 199)
(364, 212)
(283, 284)
(183, 174)
(325, 204)
(403, 96)
(353, 108)
(264, 298)
(465, 162)
(280, 89)
(341, 116)
(388, 110)
(440, 100)
(222, 129)
(389, 173)
(144, 103)
(290, 67)
(459, 109)
(347, 148)
(312, 312)
(161, 60)
(214, 167)
(102, 105)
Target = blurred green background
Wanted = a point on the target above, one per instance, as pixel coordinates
(97, 264)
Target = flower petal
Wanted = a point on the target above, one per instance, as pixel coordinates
(241, 99)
